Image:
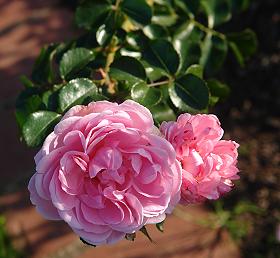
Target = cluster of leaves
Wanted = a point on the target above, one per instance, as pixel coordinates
(160, 53)
(235, 220)
(6, 248)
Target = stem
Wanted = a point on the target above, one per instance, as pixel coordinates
(207, 30)
(116, 6)
(109, 60)
(111, 51)
(159, 83)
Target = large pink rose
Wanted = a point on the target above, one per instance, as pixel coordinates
(106, 172)
(209, 163)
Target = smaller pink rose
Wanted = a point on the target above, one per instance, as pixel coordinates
(209, 163)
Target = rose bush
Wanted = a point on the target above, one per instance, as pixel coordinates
(106, 169)
(106, 172)
(209, 163)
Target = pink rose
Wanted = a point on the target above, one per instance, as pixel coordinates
(209, 163)
(106, 172)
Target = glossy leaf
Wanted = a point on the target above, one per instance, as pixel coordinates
(162, 112)
(243, 44)
(153, 73)
(74, 60)
(214, 52)
(26, 82)
(218, 11)
(137, 40)
(62, 48)
(127, 69)
(163, 14)
(27, 102)
(240, 5)
(104, 34)
(155, 31)
(111, 28)
(188, 6)
(38, 125)
(138, 10)
(50, 97)
(75, 92)
(162, 54)
(186, 41)
(147, 96)
(189, 91)
(91, 14)
(196, 70)
(130, 53)
(218, 89)
(42, 72)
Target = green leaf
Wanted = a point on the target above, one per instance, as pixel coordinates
(62, 48)
(104, 35)
(218, 11)
(243, 44)
(186, 41)
(155, 31)
(164, 14)
(42, 72)
(75, 92)
(213, 101)
(111, 28)
(163, 2)
(27, 102)
(160, 226)
(165, 20)
(26, 82)
(162, 112)
(87, 40)
(138, 10)
(137, 40)
(240, 5)
(196, 70)
(214, 52)
(74, 60)
(127, 69)
(243, 207)
(153, 73)
(91, 14)
(130, 53)
(38, 125)
(189, 91)
(50, 97)
(162, 54)
(218, 89)
(145, 95)
(190, 7)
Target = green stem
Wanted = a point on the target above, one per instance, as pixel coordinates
(159, 83)
(207, 30)
(116, 6)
